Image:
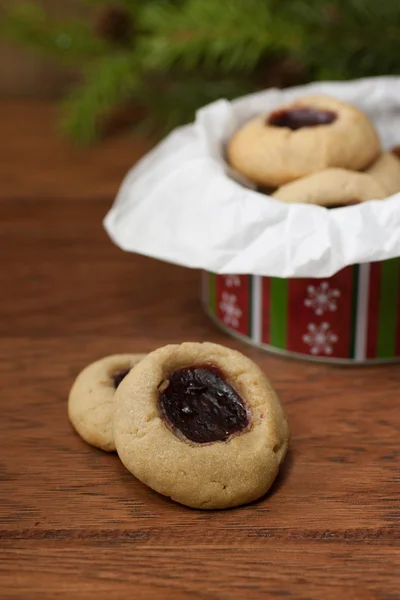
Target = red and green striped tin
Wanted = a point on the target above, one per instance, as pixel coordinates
(353, 316)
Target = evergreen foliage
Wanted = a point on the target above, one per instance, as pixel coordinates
(172, 56)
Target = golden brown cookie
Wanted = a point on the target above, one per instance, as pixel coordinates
(386, 170)
(308, 135)
(332, 188)
(91, 399)
(200, 423)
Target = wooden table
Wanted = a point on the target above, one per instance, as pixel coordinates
(74, 522)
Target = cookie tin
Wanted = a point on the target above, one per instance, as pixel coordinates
(352, 317)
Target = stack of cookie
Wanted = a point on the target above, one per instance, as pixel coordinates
(197, 422)
(316, 150)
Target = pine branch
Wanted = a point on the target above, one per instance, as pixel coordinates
(67, 41)
(173, 56)
(106, 86)
(229, 34)
(132, 6)
(174, 101)
(349, 39)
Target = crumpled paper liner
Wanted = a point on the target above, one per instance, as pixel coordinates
(183, 204)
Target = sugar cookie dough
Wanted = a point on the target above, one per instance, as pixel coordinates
(332, 188)
(91, 399)
(386, 170)
(308, 135)
(200, 423)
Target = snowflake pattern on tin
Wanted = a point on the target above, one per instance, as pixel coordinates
(322, 298)
(320, 338)
(232, 281)
(230, 310)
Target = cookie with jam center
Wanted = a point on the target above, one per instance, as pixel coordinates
(309, 134)
(200, 423)
(332, 188)
(91, 399)
(386, 170)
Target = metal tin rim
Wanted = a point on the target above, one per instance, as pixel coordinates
(298, 355)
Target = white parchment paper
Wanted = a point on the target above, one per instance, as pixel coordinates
(183, 204)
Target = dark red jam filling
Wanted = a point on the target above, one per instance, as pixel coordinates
(199, 403)
(296, 118)
(119, 376)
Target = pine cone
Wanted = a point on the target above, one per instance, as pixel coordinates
(332, 15)
(279, 73)
(115, 25)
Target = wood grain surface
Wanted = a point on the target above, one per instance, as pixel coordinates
(73, 522)
(26, 72)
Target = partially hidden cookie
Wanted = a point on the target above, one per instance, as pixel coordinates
(332, 188)
(200, 423)
(308, 135)
(91, 399)
(386, 170)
